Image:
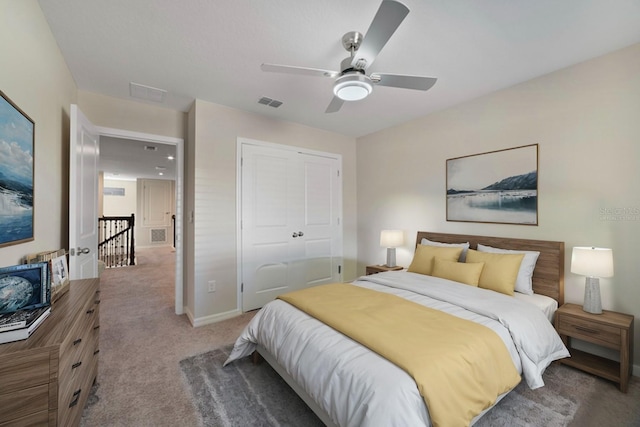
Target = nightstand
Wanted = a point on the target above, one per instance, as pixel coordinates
(373, 269)
(610, 329)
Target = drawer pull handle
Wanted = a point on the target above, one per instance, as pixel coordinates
(76, 397)
(91, 311)
(76, 365)
(78, 341)
(588, 330)
(96, 352)
(96, 327)
(97, 301)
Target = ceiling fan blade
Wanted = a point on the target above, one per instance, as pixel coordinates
(334, 105)
(403, 81)
(304, 71)
(387, 20)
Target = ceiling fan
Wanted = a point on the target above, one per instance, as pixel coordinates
(352, 82)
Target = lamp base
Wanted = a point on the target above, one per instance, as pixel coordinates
(391, 257)
(592, 301)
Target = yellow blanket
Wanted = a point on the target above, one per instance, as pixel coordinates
(460, 367)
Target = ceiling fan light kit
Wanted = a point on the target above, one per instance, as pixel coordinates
(352, 87)
(352, 81)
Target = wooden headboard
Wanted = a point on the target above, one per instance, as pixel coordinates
(548, 276)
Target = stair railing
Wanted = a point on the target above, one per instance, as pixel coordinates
(117, 242)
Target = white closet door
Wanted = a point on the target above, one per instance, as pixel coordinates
(321, 240)
(290, 229)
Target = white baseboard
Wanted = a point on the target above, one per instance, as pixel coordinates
(214, 318)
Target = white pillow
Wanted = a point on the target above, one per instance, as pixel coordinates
(528, 264)
(464, 246)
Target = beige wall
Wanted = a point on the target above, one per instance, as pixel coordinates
(116, 113)
(36, 78)
(585, 120)
(213, 165)
(120, 205)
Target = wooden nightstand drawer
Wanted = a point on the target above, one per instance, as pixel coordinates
(589, 331)
(609, 329)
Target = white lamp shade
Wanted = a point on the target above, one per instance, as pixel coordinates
(391, 238)
(592, 262)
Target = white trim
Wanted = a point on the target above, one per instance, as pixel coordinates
(138, 136)
(214, 318)
(179, 193)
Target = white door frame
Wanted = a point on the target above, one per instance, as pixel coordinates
(179, 144)
(239, 142)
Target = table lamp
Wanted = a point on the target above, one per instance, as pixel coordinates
(592, 263)
(391, 239)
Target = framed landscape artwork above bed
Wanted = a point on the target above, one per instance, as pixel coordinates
(497, 187)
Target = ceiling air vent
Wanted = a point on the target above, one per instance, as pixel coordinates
(270, 102)
(150, 148)
(147, 93)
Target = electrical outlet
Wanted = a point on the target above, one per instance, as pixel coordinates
(212, 285)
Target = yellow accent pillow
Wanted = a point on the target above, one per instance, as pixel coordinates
(463, 272)
(423, 257)
(499, 272)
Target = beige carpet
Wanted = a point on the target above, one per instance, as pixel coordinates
(142, 342)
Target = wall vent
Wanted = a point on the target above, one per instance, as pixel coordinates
(158, 235)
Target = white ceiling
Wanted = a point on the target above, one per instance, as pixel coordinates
(212, 50)
(125, 159)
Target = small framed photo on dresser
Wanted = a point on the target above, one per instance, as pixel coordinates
(59, 276)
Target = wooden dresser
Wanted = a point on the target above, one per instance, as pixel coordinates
(46, 379)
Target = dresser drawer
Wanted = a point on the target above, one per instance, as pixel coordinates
(23, 402)
(24, 370)
(609, 336)
(45, 380)
(36, 419)
(71, 408)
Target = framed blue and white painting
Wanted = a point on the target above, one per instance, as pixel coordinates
(496, 187)
(16, 174)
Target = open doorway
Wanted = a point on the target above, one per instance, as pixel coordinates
(150, 166)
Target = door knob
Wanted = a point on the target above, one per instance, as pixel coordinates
(300, 234)
(80, 251)
(295, 235)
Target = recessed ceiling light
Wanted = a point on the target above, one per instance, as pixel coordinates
(160, 174)
(170, 157)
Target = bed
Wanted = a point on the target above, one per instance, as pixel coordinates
(347, 384)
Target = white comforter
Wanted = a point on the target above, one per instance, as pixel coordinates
(357, 387)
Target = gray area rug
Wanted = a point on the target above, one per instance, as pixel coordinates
(244, 394)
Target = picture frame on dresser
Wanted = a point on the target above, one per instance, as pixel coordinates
(17, 130)
(59, 276)
(24, 287)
